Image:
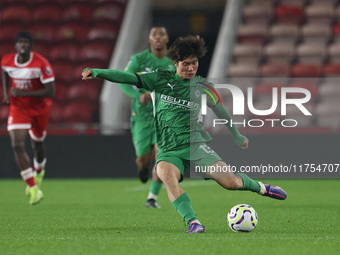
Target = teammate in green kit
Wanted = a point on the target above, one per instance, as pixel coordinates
(142, 124)
(181, 138)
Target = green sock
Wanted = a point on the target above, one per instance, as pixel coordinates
(155, 187)
(248, 183)
(183, 206)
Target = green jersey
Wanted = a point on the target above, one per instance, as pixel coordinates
(177, 105)
(140, 62)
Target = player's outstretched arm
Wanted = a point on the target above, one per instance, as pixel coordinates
(130, 91)
(222, 113)
(110, 75)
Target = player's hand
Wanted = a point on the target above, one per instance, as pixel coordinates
(86, 75)
(5, 100)
(245, 144)
(17, 92)
(145, 98)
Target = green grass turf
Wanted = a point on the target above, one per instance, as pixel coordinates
(108, 217)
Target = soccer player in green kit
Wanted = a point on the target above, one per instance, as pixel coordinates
(142, 122)
(181, 138)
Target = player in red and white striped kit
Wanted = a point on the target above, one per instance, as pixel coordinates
(31, 79)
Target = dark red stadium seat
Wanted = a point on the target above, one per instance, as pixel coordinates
(307, 71)
(71, 31)
(43, 49)
(83, 90)
(332, 69)
(311, 53)
(43, 33)
(284, 32)
(16, 13)
(279, 52)
(77, 12)
(247, 53)
(327, 113)
(56, 113)
(78, 112)
(6, 48)
(252, 33)
(289, 14)
(46, 12)
(96, 50)
(336, 29)
(68, 51)
(63, 70)
(316, 32)
(111, 11)
(320, 13)
(8, 32)
(334, 52)
(255, 13)
(243, 70)
(60, 91)
(103, 31)
(266, 88)
(275, 70)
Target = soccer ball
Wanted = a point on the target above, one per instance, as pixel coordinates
(242, 218)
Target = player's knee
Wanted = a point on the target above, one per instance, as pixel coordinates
(18, 145)
(166, 179)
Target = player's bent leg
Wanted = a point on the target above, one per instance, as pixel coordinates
(155, 188)
(227, 179)
(143, 162)
(241, 181)
(39, 162)
(170, 175)
(18, 138)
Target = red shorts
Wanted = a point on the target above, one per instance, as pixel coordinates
(36, 125)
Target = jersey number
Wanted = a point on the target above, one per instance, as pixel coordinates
(207, 149)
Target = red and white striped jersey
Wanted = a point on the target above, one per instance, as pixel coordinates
(29, 76)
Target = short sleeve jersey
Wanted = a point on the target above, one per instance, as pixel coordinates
(145, 61)
(177, 106)
(29, 76)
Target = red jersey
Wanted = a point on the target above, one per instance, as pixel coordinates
(29, 76)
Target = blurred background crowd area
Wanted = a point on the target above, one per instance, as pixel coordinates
(263, 44)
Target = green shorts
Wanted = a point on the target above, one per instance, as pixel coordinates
(198, 154)
(143, 136)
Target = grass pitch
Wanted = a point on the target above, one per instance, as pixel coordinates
(108, 217)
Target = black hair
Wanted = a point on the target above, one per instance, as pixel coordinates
(159, 25)
(24, 34)
(187, 46)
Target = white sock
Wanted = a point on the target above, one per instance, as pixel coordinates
(40, 165)
(26, 174)
(152, 196)
(196, 221)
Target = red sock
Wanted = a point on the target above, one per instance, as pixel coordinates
(38, 167)
(38, 171)
(27, 176)
(30, 182)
